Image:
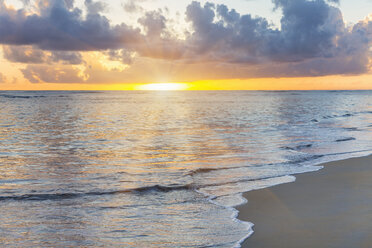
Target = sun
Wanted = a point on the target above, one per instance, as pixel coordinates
(163, 86)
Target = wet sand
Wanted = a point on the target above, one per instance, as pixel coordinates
(324, 209)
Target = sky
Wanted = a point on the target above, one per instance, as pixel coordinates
(195, 45)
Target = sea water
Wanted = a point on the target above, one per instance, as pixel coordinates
(160, 169)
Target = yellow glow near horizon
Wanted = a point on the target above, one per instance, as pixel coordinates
(163, 86)
(338, 82)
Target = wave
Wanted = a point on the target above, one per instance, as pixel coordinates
(64, 196)
(206, 170)
(352, 129)
(298, 147)
(20, 97)
(342, 115)
(241, 181)
(305, 159)
(338, 116)
(366, 112)
(154, 188)
(345, 139)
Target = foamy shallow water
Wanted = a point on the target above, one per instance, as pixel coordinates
(160, 169)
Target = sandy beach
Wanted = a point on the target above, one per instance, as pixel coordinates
(324, 209)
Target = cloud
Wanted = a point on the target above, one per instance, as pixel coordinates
(2, 78)
(24, 54)
(154, 23)
(53, 74)
(312, 33)
(308, 29)
(58, 27)
(31, 55)
(122, 55)
(95, 7)
(66, 57)
(132, 6)
(312, 40)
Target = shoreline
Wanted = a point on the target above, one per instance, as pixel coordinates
(328, 208)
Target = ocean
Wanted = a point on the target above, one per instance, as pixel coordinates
(160, 169)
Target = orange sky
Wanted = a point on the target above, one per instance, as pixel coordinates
(361, 82)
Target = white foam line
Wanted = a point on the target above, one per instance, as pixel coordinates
(249, 225)
(291, 177)
(234, 217)
(235, 212)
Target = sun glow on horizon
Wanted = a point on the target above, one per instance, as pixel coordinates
(163, 86)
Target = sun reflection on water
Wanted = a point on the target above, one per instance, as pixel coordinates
(163, 86)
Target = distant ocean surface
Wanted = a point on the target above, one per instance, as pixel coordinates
(160, 169)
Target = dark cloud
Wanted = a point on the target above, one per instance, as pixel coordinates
(66, 57)
(154, 23)
(61, 28)
(24, 54)
(122, 55)
(31, 55)
(312, 39)
(58, 27)
(95, 7)
(308, 29)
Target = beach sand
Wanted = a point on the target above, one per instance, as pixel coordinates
(324, 209)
